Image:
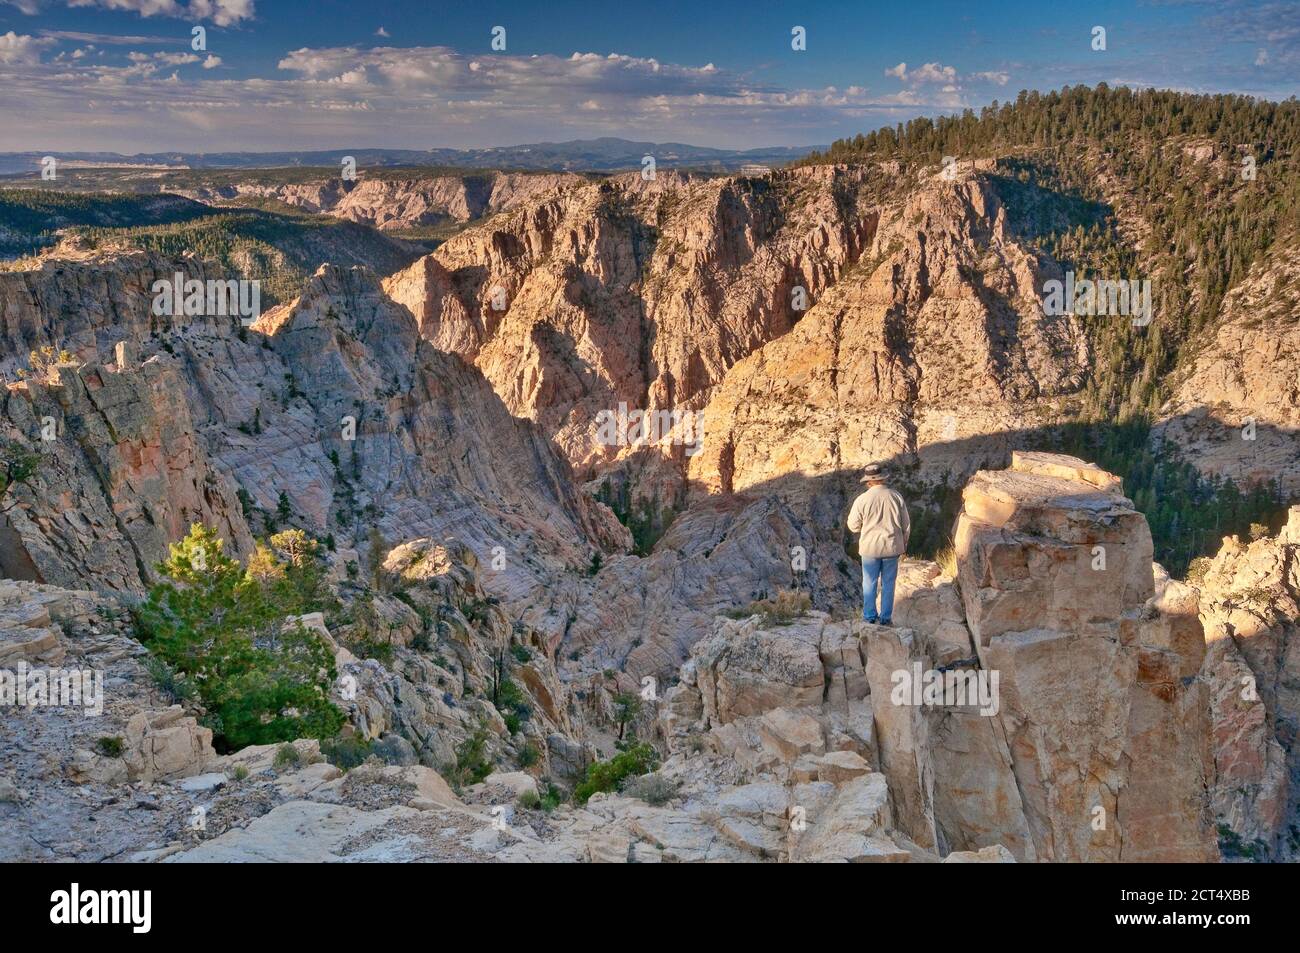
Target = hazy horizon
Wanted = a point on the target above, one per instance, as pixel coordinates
(130, 76)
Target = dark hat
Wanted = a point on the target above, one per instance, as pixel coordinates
(872, 471)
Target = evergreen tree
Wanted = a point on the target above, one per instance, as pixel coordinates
(262, 677)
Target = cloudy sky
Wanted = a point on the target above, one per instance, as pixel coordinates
(125, 76)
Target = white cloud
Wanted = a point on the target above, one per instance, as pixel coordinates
(212, 62)
(19, 50)
(382, 32)
(944, 77)
(935, 73)
(146, 8)
(1261, 58)
(220, 12)
(426, 96)
(163, 59)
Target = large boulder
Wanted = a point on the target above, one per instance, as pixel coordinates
(162, 745)
(1103, 715)
(744, 669)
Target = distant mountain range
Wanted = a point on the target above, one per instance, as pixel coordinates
(606, 154)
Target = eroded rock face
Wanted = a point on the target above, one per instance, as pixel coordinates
(924, 343)
(786, 738)
(1104, 717)
(448, 637)
(1250, 607)
(909, 354)
(1235, 412)
(1044, 547)
(126, 474)
(332, 400)
(633, 291)
(388, 203)
(771, 734)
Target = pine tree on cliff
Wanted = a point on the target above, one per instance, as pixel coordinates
(262, 678)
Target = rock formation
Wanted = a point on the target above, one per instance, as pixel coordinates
(935, 345)
(440, 428)
(634, 291)
(786, 736)
(389, 203)
(1102, 712)
(205, 409)
(1235, 411)
(1250, 607)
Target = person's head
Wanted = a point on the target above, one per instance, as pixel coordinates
(873, 474)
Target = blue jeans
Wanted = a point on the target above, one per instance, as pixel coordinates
(884, 571)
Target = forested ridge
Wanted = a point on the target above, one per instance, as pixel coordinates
(1190, 192)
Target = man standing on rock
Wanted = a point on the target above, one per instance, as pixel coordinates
(880, 518)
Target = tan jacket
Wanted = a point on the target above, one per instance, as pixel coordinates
(881, 520)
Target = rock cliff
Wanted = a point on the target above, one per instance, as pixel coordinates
(331, 400)
(1250, 607)
(1235, 410)
(388, 202)
(635, 291)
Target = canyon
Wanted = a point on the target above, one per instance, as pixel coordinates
(436, 424)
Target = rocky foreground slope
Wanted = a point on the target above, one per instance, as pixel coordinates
(1105, 736)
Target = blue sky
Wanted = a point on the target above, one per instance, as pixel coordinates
(121, 75)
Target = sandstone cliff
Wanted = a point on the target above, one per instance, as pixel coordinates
(1103, 715)
(935, 347)
(1250, 607)
(1235, 411)
(635, 291)
(388, 202)
(204, 410)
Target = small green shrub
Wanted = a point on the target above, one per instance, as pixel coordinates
(529, 755)
(262, 678)
(652, 788)
(472, 763)
(110, 746)
(287, 756)
(604, 776)
(368, 648)
(174, 686)
(345, 753)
